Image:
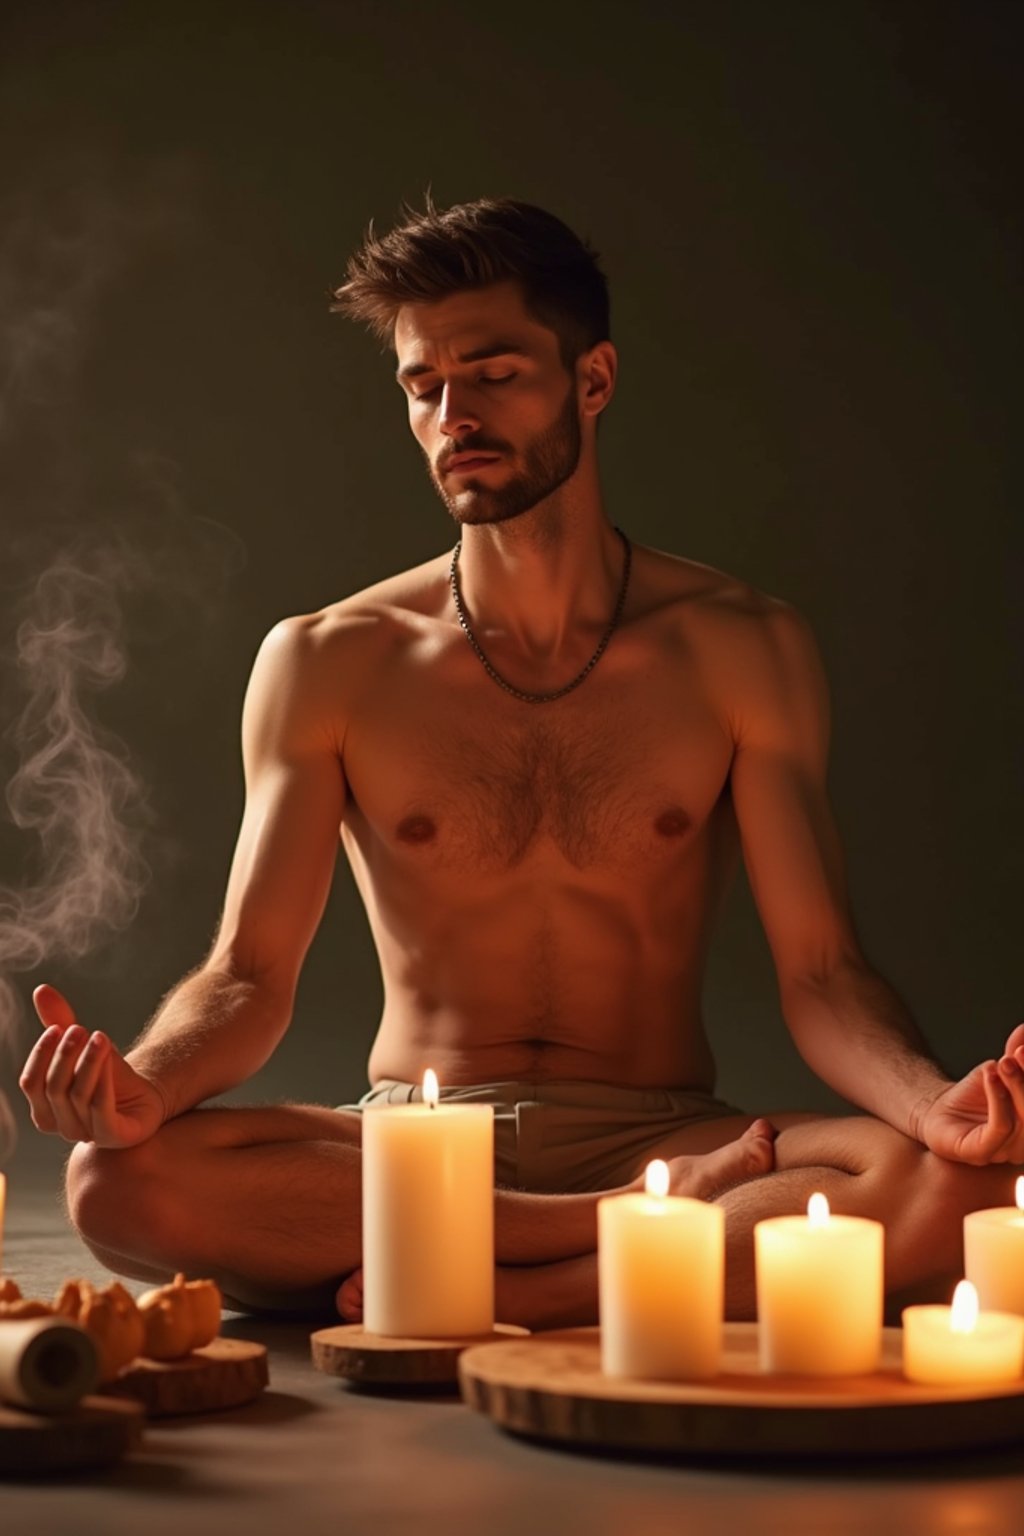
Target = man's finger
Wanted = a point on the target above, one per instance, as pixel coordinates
(58, 1081)
(82, 1091)
(53, 1007)
(1012, 1077)
(103, 1117)
(995, 1135)
(33, 1078)
(1015, 1041)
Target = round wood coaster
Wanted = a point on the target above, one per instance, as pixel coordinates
(551, 1386)
(95, 1433)
(374, 1360)
(223, 1374)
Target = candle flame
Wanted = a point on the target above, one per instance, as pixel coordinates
(431, 1092)
(1020, 1193)
(963, 1314)
(818, 1212)
(656, 1178)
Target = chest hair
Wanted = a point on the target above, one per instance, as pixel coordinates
(581, 789)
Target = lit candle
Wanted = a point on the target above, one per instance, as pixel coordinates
(661, 1281)
(428, 1218)
(959, 1344)
(994, 1255)
(820, 1290)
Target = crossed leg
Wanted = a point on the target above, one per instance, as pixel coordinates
(267, 1201)
(863, 1166)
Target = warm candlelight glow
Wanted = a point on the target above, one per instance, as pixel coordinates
(656, 1178)
(661, 1282)
(819, 1292)
(961, 1344)
(963, 1314)
(428, 1217)
(994, 1255)
(818, 1212)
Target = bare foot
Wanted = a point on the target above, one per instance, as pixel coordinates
(350, 1298)
(710, 1174)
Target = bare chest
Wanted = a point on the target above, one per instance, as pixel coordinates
(594, 783)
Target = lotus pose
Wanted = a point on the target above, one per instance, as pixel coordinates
(545, 750)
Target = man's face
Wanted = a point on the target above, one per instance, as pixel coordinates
(490, 402)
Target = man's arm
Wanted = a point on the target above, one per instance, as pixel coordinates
(848, 1024)
(222, 1022)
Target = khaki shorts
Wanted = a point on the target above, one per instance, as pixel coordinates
(570, 1137)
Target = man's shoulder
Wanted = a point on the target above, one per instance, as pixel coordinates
(751, 645)
(376, 615)
(708, 595)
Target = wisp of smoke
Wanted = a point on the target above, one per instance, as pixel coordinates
(74, 790)
(78, 806)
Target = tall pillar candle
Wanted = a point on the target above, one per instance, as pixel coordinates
(661, 1276)
(428, 1218)
(994, 1255)
(820, 1290)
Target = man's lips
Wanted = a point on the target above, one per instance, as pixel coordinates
(466, 463)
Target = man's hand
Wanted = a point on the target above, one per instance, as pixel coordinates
(80, 1086)
(981, 1118)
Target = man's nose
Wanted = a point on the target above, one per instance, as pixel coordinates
(456, 416)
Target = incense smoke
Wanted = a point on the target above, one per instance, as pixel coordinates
(75, 790)
(74, 604)
(76, 794)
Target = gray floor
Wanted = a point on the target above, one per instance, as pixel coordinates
(314, 1455)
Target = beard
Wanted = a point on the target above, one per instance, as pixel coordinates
(548, 461)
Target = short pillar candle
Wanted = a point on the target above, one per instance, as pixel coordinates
(428, 1218)
(661, 1277)
(994, 1255)
(958, 1345)
(820, 1292)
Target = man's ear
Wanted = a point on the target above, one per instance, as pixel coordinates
(595, 373)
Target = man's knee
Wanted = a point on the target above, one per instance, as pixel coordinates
(859, 1145)
(916, 1184)
(958, 1188)
(116, 1197)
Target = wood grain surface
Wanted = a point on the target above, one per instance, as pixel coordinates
(370, 1358)
(223, 1374)
(551, 1386)
(95, 1433)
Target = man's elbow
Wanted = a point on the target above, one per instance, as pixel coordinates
(814, 974)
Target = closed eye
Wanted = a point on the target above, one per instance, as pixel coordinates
(430, 394)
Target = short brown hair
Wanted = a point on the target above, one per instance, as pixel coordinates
(438, 252)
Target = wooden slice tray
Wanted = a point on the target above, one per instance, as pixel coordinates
(373, 1360)
(223, 1374)
(95, 1433)
(551, 1386)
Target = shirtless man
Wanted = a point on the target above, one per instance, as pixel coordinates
(540, 797)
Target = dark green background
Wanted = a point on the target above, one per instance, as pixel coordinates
(809, 215)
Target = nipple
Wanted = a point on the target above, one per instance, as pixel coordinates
(416, 829)
(673, 823)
